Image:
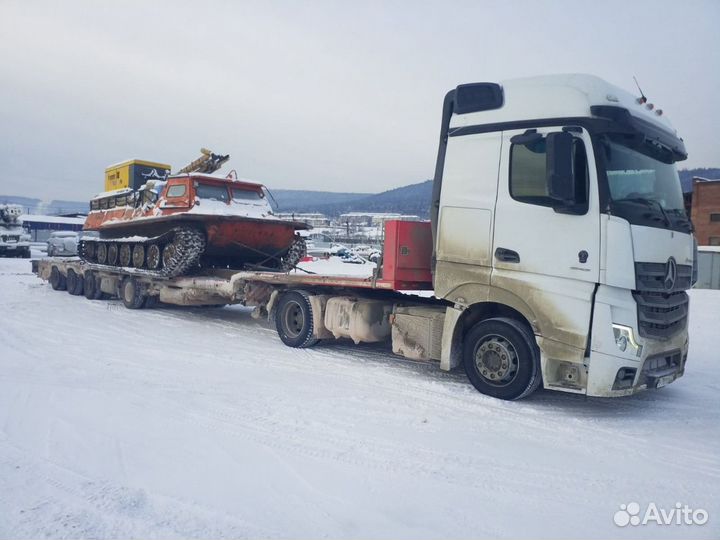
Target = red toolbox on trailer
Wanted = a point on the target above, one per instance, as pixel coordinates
(407, 254)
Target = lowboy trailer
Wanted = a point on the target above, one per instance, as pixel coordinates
(558, 251)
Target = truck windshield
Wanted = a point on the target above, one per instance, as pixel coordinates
(643, 190)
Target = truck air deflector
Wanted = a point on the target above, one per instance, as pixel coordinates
(669, 147)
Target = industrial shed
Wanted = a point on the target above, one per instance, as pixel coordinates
(40, 227)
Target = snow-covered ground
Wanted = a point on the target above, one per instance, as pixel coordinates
(200, 423)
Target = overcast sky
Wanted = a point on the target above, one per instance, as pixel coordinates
(340, 96)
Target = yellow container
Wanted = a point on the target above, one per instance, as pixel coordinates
(134, 173)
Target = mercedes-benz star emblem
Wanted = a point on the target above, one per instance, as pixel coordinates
(670, 274)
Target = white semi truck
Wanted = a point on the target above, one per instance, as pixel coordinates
(559, 251)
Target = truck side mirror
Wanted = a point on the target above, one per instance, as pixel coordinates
(559, 168)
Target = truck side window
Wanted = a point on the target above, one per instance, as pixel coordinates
(528, 179)
(527, 173)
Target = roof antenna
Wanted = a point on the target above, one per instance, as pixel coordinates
(642, 99)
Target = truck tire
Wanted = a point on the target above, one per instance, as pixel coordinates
(57, 280)
(91, 287)
(294, 320)
(502, 359)
(74, 282)
(131, 293)
(26, 253)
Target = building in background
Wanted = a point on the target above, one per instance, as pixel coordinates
(373, 219)
(40, 227)
(313, 219)
(708, 267)
(705, 213)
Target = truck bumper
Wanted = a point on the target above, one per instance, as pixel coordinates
(614, 376)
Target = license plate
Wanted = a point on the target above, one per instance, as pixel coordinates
(663, 381)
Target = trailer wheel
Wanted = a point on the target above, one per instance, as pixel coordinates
(131, 293)
(74, 283)
(57, 280)
(294, 320)
(501, 359)
(91, 286)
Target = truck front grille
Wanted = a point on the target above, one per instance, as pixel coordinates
(651, 277)
(662, 313)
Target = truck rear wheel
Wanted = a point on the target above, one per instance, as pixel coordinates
(57, 280)
(131, 293)
(501, 359)
(294, 320)
(74, 282)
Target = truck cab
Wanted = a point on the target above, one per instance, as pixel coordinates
(560, 238)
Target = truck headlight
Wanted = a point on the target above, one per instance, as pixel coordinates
(625, 339)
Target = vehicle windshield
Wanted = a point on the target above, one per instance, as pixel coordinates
(643, 190)
(207, 191)
(240, 194)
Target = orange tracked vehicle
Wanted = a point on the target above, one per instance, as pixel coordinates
(189, 221)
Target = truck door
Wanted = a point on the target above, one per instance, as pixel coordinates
(547, 255)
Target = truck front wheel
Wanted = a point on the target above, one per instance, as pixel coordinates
(501, 359)
(294, 320)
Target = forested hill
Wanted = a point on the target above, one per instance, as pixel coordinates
(412, 199)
